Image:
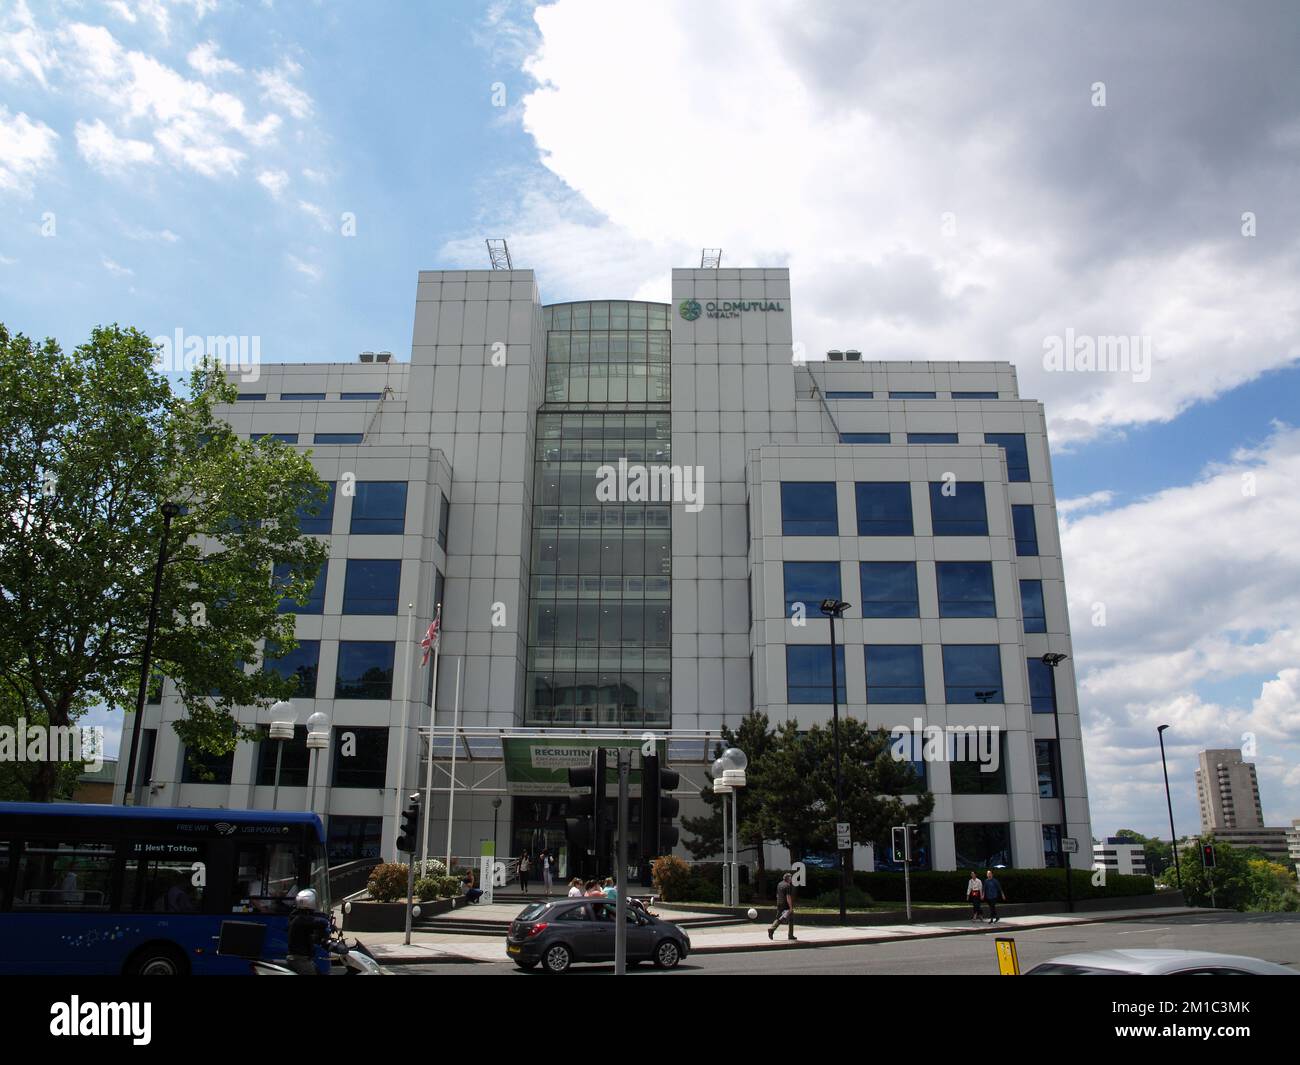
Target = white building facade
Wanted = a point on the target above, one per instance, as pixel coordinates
(478, 475)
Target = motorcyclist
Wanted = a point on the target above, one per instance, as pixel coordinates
(308, 929)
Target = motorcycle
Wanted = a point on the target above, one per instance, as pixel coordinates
(356, 960)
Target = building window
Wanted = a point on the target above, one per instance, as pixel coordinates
(360, 395)
(371, 585)
(973, 768)
(301, 664)
(317, 516)
(1040, 686)
(1053, 856)
(972, 673)
(808, 673)
(249, 397)
(974, 395)
(911, 395)
(303, 397)
(365, 670)
(966, 589)
(360, 757)
(444, 519)
(352, 838)
(864, 438)
(1031, 606)
(1045, 754)
(284, 438)
(1022, 521)
(884, 508)
(920, 858)
(932, 438)
(982, 846)
(889, 590)
(1017, 453)
(379, 507)
(337, 438)
(203, 767)
(315, 602)
(808, 508)
(293, 755)
(848, 395)
(895, 673)
(809, 583)
(957, 508)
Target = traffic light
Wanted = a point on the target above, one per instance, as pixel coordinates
(409, 831)
(586, 831)
(1207, 855)
(898, 841)
(658, 808)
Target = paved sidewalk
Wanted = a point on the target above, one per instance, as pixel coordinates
(389, 949)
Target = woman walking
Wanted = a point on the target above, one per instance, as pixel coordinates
(525, 864)
(975, 895)
(545, 859)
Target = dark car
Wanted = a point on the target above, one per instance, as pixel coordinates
(556, 934)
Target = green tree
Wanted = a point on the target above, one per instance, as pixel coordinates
(1158, 852)
(92, 442)
(1239, 881)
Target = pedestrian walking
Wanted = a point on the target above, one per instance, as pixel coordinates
(544, 859)
(993, 894)
(525, 864)
(975, 896)
(784, 906)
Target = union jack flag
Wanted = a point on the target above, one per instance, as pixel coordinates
(430, 640)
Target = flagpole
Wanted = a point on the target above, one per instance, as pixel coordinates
(433, 715)
(406, 725)
(451, 796)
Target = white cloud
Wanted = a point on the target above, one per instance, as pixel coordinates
(109, 153)
(5, 260)
(205, 60)
(115, 268)
(309, 270)
(25, 49)
(27, 149)
(1092, 501)
(274, 181)
(318, 213)
(156, 236)
(318, 177)
(279, 90)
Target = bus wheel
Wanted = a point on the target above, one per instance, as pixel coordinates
(157, 959)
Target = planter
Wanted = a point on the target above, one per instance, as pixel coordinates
(389, 916)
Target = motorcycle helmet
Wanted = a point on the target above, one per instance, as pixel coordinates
(305, 899)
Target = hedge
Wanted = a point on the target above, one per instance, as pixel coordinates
(1018, 885)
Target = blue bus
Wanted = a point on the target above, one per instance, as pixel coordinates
(88, 889)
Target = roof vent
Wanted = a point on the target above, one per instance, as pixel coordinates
(383, 356)
(367, 356)
(835, 356)
(853, 355)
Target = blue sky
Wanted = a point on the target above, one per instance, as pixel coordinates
(941, 183)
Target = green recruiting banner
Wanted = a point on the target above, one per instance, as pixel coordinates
(539, 765)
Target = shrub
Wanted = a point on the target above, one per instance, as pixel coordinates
(430, 867)
(672, 878)
(854, 899)
(437, 887)
(387, 882)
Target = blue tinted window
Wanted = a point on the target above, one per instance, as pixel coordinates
(301, 396)
(974, 395)
(960, 514)
(1022, 520)
(884, 508)
(848, 395)
(249, 397)
(322, 520)
(1031, 606)
(302, 663)
(337, 438)
(911, 395)
(315, 603)
(1040, 686)
(932, 438)
(808, 673)
(365, 670)
(284, 438)
(895, 673)
(809, 583)
(982, 845)
(379, 507)
(972, 673)
(1017, 453)
(889, 590)
(977, 763)
(864, 438)
(360, 395)
(444, 519)
(371, 586)
(965, 589)
(1045, 756)
(808, 508)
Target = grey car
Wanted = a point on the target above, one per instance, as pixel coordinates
(1158, 963)
(557, 934)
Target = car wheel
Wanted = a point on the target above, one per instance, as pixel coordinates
(157, 960)
(667, 954)
(527, 964)
(558, 958)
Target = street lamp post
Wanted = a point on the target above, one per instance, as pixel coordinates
(496, 808)
(834, 608)
(734, 777)
(169, 511)
(1051, 660)
(283, 718)
(722, 789)
(1173, 836)
(318, 740)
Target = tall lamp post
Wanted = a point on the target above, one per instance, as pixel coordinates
(834, 608)
(733, 776)
(1051, 660)
(169, 511)
(496, 808)
(283, 717)
(318, 741)
(1173, 836)
(723, 789)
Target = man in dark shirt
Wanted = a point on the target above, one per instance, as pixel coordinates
(993, 894)
(308, 928)
(784, 906)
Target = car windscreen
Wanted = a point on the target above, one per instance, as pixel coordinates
(1056, 968)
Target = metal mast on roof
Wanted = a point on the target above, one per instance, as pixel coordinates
(711, 259)
(499, 253)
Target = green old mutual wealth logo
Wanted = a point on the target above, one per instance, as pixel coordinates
(691, 309)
